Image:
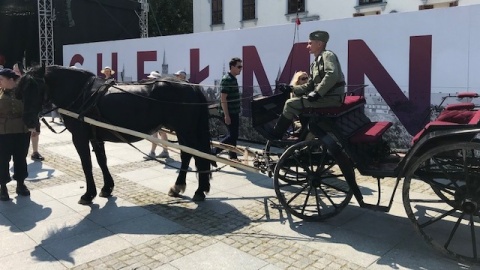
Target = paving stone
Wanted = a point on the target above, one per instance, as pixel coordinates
(176, 232)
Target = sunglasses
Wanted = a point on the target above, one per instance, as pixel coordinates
(240, 66)
(303, 78)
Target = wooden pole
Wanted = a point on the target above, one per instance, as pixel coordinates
(158, 141)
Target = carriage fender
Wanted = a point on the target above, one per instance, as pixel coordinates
(436, 138)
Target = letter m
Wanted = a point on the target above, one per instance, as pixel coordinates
(413, 112)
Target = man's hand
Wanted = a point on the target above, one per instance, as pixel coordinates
(313, 96)
(285, 88)
(227, 119)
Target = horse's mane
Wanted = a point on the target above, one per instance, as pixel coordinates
(56, 68)
(40, 71)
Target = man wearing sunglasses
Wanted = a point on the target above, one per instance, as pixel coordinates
(230, 105)
(324, 88)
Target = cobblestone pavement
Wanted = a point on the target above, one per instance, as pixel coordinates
(240, 226)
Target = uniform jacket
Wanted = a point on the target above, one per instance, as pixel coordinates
(326, 78)
(11, 113)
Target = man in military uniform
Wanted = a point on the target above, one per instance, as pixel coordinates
(324, 88)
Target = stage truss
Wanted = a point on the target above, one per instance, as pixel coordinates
(46, 17)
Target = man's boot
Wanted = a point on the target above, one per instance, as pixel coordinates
(4, 193)
(280, 128)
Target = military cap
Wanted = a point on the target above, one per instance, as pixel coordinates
(8, 73)
(319, 35)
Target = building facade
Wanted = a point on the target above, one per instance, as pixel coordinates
(215, 15)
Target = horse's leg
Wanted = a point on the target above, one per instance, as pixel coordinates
(203, 166)
(81, 144)
(181, 183)
(108, 184)
(202, 144)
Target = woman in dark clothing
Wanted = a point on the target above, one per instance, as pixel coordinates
(14, 136)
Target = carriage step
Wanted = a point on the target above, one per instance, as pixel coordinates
(370, 133)
(375, 207)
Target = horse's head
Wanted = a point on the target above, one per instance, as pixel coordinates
(31, 89)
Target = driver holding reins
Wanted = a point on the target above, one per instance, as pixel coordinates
(325, 86)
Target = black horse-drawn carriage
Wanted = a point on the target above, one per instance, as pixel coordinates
(314, 176)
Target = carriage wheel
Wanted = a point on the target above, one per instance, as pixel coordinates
(218, 128)
(441, 195)
(310, 183)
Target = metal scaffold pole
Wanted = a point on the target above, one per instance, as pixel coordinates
(45, 31)
(143, 18)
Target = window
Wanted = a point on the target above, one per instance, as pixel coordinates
(217, 12)
(367, 2)
(248, 10)
(358, 14)
(454, 4)
(295, 6)
(423, 7)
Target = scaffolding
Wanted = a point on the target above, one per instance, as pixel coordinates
(45, 32)
(46, 17)
(143, 18)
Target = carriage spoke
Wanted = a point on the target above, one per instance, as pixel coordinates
(328, 197)
(305, 202)
(432, 221)
(317, 202)
(298, 193)
(452, 233)
(474, 238)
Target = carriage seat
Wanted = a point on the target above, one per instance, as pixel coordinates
(370, 133)
(450, 118)
(460, 106)
(467, 95)
(350, 102)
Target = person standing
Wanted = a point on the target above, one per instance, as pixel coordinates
(182, 75)
(324, 88)
(153, 76)
(14, 136)
(108, 72)
(35, 136)
(230, 105)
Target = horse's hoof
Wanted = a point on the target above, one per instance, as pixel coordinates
(106, 192)
(199, 196)
(82, 201)
(176, 190)
(86, 199)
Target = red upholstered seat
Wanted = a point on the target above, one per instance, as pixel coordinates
(449, 118)
(370, 133)
(475, 119)
(460, 106)
(434, 123)
(467, 95)
(457, 116)
(349, 103)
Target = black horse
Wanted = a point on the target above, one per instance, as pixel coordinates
(141, 107)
